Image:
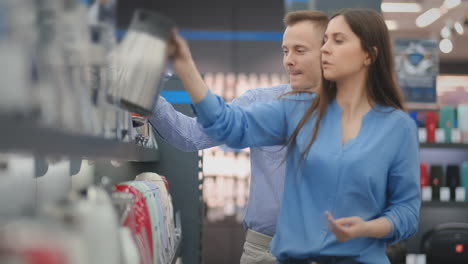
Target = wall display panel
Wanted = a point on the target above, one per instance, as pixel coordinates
(417, 67)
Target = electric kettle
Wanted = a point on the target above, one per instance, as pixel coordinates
(137, 64)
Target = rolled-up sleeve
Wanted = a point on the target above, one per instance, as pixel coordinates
(403, 191)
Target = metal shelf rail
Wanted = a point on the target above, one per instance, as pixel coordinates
(445, 145)
(21, 135)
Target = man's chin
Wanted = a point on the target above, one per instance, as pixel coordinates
(297, 86)
(302, 88)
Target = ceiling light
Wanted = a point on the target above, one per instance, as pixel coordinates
(401, 7)
(451, 3)
(392, 24)
(458, 28)
(446, 45)
(445, 32)
(428, 17)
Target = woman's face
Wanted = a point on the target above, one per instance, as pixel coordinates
(342, 53)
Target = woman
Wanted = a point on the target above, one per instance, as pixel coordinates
(353, 152)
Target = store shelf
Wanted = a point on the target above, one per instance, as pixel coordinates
(445, 204)
(444, 145)
(178, 243)
(21, 135)
(177, 251)
(422, 106)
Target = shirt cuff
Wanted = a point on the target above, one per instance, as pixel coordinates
(159, 105)
(208, 109)
(392, 232)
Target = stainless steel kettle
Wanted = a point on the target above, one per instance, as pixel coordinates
(137, 64)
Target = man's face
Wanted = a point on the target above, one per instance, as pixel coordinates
(301, 55)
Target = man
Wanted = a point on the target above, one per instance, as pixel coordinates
(301, 48)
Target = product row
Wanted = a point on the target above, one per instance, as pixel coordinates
(232, 85)
(226, 183)
(64, 68)
(131, 223)
(448, 125)
(444, 184)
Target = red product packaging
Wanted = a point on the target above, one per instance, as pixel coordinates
(141, 229)
(431, 125)
(424, 174)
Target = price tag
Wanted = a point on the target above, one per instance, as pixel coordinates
(456, 136)
(426, 193)
(460, 194)
(439, 135)
(444, 194)
(421, 259)
(422, 135)
(411, 259)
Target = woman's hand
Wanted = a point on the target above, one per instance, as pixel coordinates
(179, 52)
(347, 228)
(184, 66)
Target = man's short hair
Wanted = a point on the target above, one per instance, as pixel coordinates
(318, 18)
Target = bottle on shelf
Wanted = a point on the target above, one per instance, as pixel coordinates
(463, 121)
(431, 125)
(465, 178)
(419, 118)
(436, 181)
(446, 121)
(456, 136)
(424, 175)
(17, 44)
(453, 179)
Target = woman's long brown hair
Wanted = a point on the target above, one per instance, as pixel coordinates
(381, 85)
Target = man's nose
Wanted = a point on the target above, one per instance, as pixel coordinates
(289, 59)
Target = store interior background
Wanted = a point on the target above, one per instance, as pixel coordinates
(256, 61)
(237, 46)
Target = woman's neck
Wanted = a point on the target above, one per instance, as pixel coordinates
(352, 96)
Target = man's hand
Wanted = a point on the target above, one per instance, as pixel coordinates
(347, 228)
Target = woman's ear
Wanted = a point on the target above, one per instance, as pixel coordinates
(371, 57)
(376, 52)
(367, 61)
